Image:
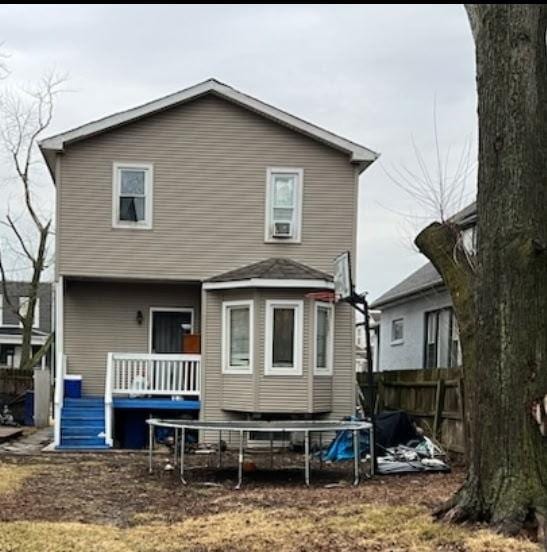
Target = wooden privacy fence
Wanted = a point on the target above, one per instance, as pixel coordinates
(433, 397)
(14, 381)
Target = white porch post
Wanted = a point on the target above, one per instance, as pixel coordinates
(59, 357)
(108, 407)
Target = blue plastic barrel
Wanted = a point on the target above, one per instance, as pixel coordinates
(29, 408)
(73, 387)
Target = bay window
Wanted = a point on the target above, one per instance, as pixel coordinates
(237, 337)
(284, 335)
(324, 330)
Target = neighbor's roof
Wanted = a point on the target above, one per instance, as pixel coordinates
(423, 279)
(426, 277)
(358, 154)
(275, 268)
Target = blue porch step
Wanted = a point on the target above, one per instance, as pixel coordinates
(83, 424)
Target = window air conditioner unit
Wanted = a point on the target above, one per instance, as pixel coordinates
(282, 230)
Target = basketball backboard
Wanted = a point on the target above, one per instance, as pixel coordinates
(343, 286)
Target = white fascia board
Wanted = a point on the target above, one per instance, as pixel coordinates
(263, 283)
(17, 340)
(358, 153)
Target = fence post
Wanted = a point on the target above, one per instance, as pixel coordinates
(439, 407)
(42, 398)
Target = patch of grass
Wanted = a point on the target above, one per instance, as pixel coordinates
(12, 477)
(361, 527)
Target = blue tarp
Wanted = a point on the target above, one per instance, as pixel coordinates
(341, 447)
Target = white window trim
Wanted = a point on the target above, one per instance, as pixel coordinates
(1, 310)
(298, 306)
(396, 341)
(226, 368)
(270, 171)
(328, 370)
(36, 319)
(145, 224)
(151, 312)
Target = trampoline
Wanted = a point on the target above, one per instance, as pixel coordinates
(306, 427)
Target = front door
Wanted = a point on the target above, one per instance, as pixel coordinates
(168, 327)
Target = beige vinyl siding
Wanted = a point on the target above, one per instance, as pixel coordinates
(210, 159)
(343, 381)
(100, 317)
(282, 394)
(322, 394)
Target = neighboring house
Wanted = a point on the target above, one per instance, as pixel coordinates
(189, 232)
(418, 328)
(10, 326)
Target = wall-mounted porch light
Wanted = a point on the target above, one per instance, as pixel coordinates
(140, 317)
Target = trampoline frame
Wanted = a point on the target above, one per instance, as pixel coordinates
(244, 427)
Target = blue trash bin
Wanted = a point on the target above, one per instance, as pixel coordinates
(73, 387)
(29, 408)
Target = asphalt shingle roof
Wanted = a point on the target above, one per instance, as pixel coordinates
(275, 268)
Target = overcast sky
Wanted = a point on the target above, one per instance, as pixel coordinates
(370, 73)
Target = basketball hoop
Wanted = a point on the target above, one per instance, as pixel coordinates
(326, 296)
(343, 286)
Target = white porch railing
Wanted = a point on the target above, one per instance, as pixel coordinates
(154, 374)
(141, 374)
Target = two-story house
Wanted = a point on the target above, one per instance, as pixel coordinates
(418, 327)
(11, 331)
(190, 231)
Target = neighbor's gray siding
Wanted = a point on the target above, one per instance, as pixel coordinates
(210, 159)
(409, 354)
(100, 317)
(21, 289)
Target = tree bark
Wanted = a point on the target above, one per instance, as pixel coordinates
(507, 473)
(441, 244)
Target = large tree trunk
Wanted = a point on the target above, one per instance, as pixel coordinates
(441, 243)
(507, 474)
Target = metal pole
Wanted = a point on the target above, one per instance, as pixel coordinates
(373, 464)
(307, 457)
(182, 440)
(240, 461)
(271, 450)
(355, 457)
(150, 446)
(176, 447)
(320, 450)
(220, 448)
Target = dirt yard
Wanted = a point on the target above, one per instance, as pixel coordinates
(109, 502)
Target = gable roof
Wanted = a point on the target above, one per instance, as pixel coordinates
(275, 268)
(426, 277)
(358, 154)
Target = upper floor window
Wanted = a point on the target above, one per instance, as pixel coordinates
(397, 331)
(324, 333)
(284, 335)
(284, 204)
(469, 240)
(132, 197)
(23, 309)
(237, 337)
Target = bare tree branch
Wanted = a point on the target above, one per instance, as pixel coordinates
(24, 116)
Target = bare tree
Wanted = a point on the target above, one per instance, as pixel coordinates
(24, 117)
